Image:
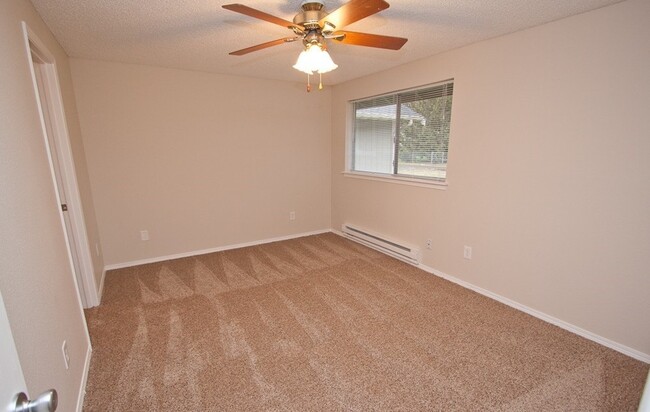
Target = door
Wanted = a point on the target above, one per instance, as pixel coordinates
(50, 104)
(12, 381)
(46, 109)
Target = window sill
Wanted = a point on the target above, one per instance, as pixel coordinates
(410, 181)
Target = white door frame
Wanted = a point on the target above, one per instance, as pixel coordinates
(78, 239)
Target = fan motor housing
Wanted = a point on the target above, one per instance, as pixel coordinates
(311, 12)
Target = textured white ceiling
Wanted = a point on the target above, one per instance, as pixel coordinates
(199, 34)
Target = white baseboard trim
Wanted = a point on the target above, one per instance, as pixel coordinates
(84, 380)
(101, 287)
(206, 251)
(633, 353)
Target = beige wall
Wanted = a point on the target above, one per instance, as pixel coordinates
(549, 175)
(200, 160)
(35, 276)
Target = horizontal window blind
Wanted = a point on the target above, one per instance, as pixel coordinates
(405, 133)
(442, 90)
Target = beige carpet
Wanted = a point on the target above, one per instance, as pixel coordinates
(324, 324)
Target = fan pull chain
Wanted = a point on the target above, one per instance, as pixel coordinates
(320, 82)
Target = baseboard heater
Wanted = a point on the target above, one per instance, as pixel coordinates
(399, 250)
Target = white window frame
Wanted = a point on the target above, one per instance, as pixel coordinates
(386, 177)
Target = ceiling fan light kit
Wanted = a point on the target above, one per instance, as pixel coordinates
(314, 26)
(315, 59)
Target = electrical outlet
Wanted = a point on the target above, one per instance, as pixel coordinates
(66, 355)
(144, 235)
(292, 215)
(429, 244)
(467, 252)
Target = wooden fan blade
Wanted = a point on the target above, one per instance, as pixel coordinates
(353, 11)
(248, 11)
(369, 40)
(263, 46)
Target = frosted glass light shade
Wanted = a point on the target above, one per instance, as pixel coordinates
(314, 59)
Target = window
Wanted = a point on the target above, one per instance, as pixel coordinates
(404, 134)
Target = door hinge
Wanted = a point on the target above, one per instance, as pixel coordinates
(64, 207)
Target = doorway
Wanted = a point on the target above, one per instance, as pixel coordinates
(52, 114)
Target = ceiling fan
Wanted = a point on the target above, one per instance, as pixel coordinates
(313, 25)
